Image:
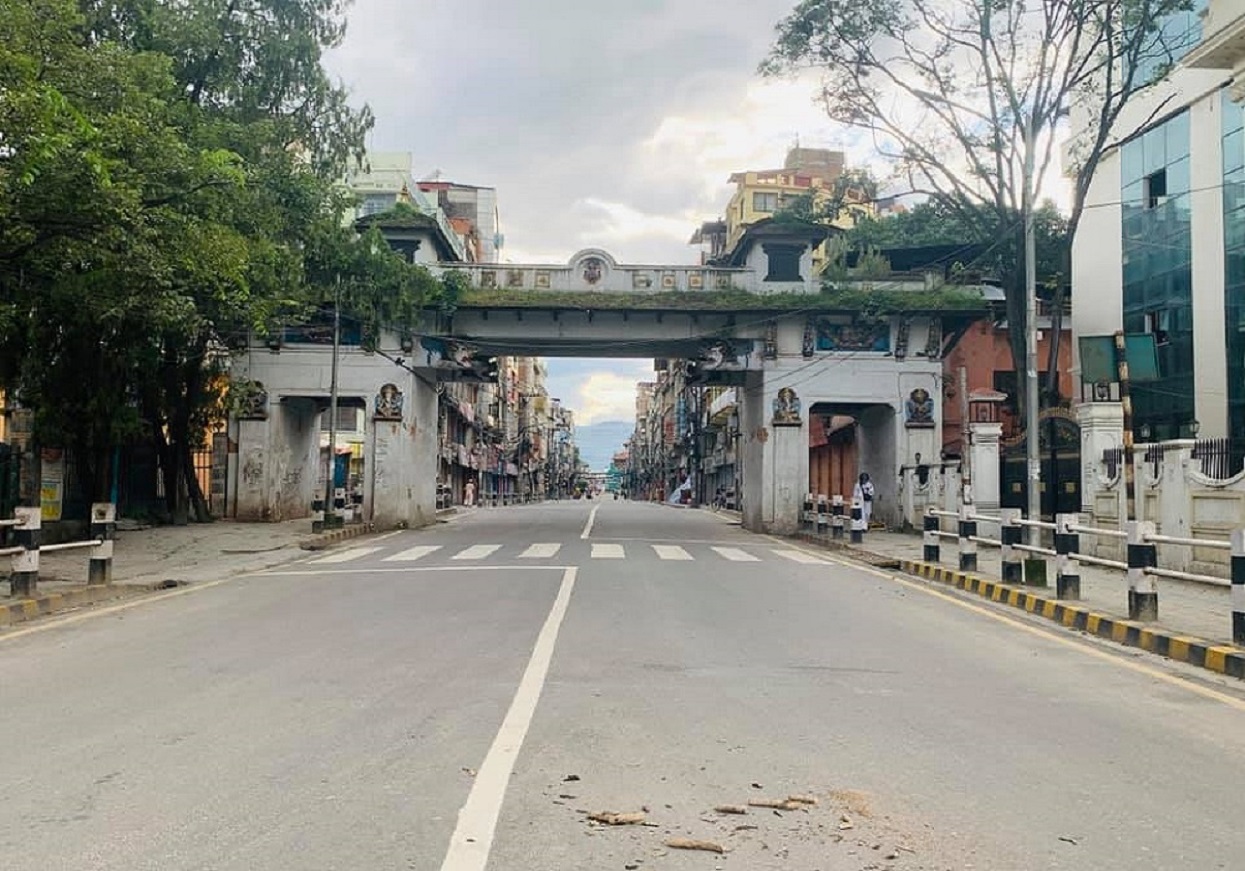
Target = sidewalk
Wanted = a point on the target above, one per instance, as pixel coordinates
(164, 556)
(1185, 607)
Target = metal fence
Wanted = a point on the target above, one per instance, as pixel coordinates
(1220, 458)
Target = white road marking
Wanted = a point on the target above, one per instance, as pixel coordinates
(608, 551)
(592, 518)
(405, 570)
(736, 555)
(477, 551)
(472, 840)
(800, 557)
(344, 555)
(541, 551)
(671, 551)
(412, 554)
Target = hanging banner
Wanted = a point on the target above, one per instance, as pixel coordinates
(52, 483)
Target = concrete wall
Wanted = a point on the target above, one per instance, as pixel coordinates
(278, 467)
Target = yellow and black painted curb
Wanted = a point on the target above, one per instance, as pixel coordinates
(21, 610)
(324, 539)
(1222, 658)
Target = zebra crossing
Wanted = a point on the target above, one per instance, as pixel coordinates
(543, 551)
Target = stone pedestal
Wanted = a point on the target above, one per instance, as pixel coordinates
(789, 468)
(1102, 428)
(985, 465)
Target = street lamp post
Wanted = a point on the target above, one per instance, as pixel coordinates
(331, 517)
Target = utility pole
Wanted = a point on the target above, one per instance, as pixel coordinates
(966, 441)
(1032, 457)
(330, 503)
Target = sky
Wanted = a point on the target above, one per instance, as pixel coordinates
(601, 124)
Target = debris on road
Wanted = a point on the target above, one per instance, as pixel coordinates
(693, 844)
(612, 818)
(803, 799)
(1073, 841)
(731, 809)
(845, 822)
(570, 778)
(470, 772)
(780, 804)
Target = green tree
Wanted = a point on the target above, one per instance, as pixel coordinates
(167, 185)
(965, 98)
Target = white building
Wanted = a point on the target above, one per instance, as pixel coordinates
(1161, 246)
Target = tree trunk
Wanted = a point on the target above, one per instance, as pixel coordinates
(198, 503)
(1054, 395)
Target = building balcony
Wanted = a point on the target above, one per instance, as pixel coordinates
(1223, 46)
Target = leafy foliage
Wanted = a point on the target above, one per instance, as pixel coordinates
(168, 184)
(966, 98)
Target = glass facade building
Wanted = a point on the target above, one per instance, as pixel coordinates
(1234, 257)
(1158, 281)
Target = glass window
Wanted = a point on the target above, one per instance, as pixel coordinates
(1178, 176)
(764, 201)
(1176, 137)
(1234, 150)
(1131, 163)
(1154, 149)
(1157, 247)
(1233, 115)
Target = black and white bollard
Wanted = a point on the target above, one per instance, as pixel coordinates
(1143, 593)
(339, 507)
(808, 519)
(24, 582)
(968, 547)
(823, 513)
(858, 522)
(104, 530)
(1011, 533)
(932, 550)
(317, 514)
(837, 517)
(1067, 569)
(1238, 587)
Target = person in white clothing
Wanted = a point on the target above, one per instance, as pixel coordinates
(864, 493)
(469, 493)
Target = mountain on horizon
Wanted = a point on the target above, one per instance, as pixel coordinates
(598, 442)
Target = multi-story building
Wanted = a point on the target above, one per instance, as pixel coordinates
(1161, 246)
(472, 210)
(760, 194)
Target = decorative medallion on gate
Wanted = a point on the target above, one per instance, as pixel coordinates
(488, 279)
(251, 399)
(389, 403)
(787, 408)
(859, 336)
(594, 270)
(919, 409)
(810, 339)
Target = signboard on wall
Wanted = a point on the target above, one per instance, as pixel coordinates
(1098, 358)
(51, 483)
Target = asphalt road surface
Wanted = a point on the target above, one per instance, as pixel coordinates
(460, 697)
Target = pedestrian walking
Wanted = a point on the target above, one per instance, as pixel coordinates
(469, 494)
(864, 493)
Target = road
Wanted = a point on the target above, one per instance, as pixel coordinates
(455, 698)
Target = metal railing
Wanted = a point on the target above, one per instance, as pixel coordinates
(27, 525)
(1141, 567)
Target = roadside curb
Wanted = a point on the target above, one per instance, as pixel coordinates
(1223, 659)
(324, 539)
(51, 603)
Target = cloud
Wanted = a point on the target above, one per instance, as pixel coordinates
(598, 390)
